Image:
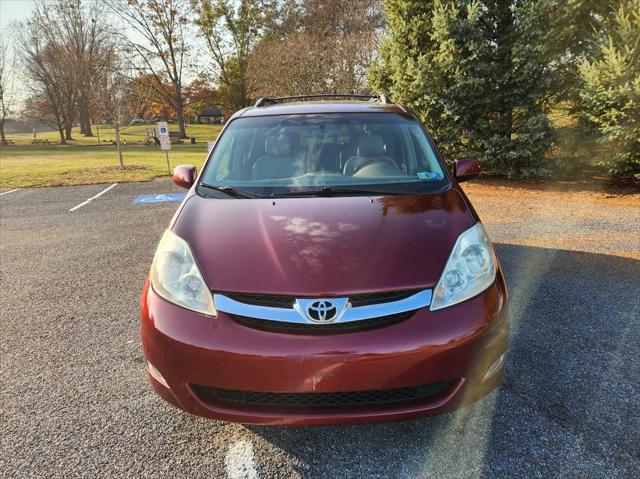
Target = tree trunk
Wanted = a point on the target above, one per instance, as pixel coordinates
(504, 65)
(243, 84)
(179, 112)
(117, 127)
(85, 120)
(2, 137)
(83, 130)
(68, 114)
(61, 132)
(67, 123)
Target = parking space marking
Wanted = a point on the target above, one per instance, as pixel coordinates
(93, 197)
(240, 461)
(7, 192)
(162, 198)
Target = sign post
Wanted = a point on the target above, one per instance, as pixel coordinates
(165, 141)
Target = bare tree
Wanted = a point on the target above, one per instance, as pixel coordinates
(47, 74)
(120, 99)
(328, 51)
(289, 67)
(112, 88)
(81, 31)
(163, 25)
(7, 91)
(64, 47)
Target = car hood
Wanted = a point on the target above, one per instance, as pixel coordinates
(323, 246)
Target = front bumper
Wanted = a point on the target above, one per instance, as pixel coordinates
(462, 345)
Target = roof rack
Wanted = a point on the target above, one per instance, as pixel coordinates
(268, 101)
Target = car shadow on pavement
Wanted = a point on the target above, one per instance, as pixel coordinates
(568, 403)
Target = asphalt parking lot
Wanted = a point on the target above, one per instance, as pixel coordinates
(75, 400)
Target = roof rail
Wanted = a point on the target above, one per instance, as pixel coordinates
(268, 101)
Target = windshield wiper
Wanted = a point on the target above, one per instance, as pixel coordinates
(228, 190)
(333, 191)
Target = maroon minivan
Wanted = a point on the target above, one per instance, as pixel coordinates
(325, 267)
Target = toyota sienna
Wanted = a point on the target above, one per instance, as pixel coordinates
(324, 267)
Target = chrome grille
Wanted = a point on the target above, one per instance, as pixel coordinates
(282, 301)
(334, 314)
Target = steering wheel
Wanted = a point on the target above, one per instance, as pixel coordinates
(371, 160)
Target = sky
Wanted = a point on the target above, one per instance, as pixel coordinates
(11, 10)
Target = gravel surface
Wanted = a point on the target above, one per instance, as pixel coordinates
(75, 400)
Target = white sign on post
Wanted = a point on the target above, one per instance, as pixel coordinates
(163, 135)
(165, 141)
(163, 128)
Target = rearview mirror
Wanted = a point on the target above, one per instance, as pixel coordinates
(184, 175)
(466, 169)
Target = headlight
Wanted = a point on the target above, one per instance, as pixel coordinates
(470, 270)
(176, 277)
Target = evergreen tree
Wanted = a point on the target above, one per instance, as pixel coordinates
(611, 92)
(477, 73)
(572, 28)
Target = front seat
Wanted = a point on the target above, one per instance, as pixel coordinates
(329, 158)
(369, 146)
(278, 161)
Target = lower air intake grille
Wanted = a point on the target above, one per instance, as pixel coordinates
(331, 328)
(332, 400)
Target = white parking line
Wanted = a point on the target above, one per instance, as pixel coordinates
(240, 462)
(93, 197)
(7, 192)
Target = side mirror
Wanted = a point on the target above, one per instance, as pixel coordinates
(466, 169)
(185, 175)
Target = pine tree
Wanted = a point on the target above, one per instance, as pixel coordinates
(611, 93)
(477, 74)
(572, 36)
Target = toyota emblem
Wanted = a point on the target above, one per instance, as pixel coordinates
(322, 311)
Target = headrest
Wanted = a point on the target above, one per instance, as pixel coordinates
(371, 145)
(294, 138)
(277, 145)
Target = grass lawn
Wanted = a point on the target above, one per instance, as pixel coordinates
(131, 134)
(84, 162)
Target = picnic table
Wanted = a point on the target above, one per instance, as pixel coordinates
(8, 142)
(38, 141)
(174, 138)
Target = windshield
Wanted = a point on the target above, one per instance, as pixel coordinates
(271, 155)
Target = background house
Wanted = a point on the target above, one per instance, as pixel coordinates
(211, 114)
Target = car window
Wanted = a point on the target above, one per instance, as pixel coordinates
(288, 152)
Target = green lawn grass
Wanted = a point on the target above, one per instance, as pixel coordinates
(84, 162)
(131, 134)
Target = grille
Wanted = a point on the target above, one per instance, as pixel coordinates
(272, 301)
(278, 301)
(324, 401)
(378, 298)
(331, 328)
